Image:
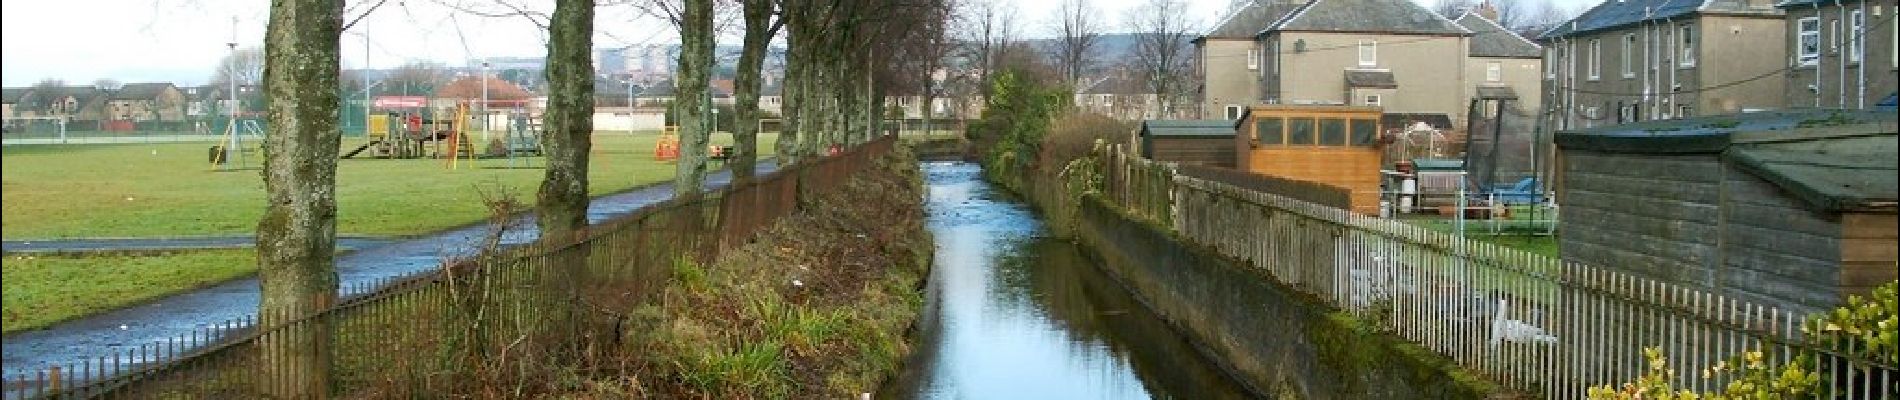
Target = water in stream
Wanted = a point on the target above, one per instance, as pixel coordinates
(1013, 314)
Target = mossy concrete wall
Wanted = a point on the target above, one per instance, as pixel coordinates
(1279, 342)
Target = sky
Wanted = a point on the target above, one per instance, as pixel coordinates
(183, 41)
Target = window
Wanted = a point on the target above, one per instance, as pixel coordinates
(1233, 111)
(1300, 133)
(1629, 55)
(1855, 22)
(1550, 63)
(1808, 41)
(1332, 132)
(1687, 38)
(1269, 130)
(1493, 71)
(1253, 59)
(1368, 53)
(1683, 111)
(1365, 131)
(1596, 59)
(1372, 100)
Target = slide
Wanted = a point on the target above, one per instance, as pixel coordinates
(359, 149)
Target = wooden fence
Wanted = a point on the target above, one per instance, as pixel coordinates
(1529, 322)
(429, 334)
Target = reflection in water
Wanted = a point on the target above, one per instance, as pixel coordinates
(1014, 315)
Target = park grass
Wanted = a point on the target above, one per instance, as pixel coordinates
(169, 190)
(43, 289)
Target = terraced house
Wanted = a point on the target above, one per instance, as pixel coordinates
(1636, 60)
(1841, 53)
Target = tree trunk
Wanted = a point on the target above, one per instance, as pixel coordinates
(296, 238)
(562, 200)
(791, 90)
(745, 110)
(695, 66)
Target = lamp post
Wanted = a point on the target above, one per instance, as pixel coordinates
(484, 111)
(231, 128)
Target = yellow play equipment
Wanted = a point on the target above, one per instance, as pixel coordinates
(410, 134)
(668, 148)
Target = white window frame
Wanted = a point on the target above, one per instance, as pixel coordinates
(1685, 37)
(1233, 111)
(1856, 26)
(1368, 53)
(1596, 59)
(1834, 36)
(1803, 34)
(1629, 56)
(1550, 62)
(1494, 71)
(1253, 59)
(1374, 100)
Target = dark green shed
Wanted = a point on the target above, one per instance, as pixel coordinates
(1207, 142)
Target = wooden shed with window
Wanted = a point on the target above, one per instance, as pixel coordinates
(1333, 145)
(1790, 209)
(1205, 142)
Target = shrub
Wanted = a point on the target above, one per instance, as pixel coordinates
(1073, 136)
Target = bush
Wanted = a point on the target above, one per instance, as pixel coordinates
(1074, 135)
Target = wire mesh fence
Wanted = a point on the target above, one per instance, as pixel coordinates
(484, 321)
(1528, 322)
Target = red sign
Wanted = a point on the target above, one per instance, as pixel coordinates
(400, 102)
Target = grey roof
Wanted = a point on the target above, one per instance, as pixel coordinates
(1488, 39)
(1616, 13)
(140, 91)
(1832, 160)
(1389, 16)
(1810, 3)
(13, 95)
(1370, 79)
(1116, 83)
(1496, 93)
(1187, 128)
(1254, 17)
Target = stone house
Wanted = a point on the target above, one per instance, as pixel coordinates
(1637, 60)
(1790, 209)
(152, 101)
(72, 102)
(1501, 63)
(10, 98)
(1842, 52)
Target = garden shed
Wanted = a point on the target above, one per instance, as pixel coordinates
(1206, 142)
(1332, 145)
(1790, 209)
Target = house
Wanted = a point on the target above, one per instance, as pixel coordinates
(1392, 54)
(1208, 142)
(1229, 58)
(1501, 64)
(149, 101)
(1120, 95)
(1637, 60)
(1790, 209)
(72, 102)
(10, 98)
(1842, 52)
(1338, 146)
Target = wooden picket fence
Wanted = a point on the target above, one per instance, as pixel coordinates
(1529, 322)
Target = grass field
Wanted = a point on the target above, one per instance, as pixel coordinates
(40, 290)
(158, 190)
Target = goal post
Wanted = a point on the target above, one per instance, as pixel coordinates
(34, 128)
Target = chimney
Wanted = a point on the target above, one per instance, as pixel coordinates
(1487, 10)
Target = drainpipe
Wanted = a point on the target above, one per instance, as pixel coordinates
(1860, 48)
(1816, 5)
(1841, 21)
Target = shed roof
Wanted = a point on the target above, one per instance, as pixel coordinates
(1438, 164)
(1488, 39)
(1617, 13)
(1496, 93)
(1360, 78)
(1214, 128)
(13, 95)
(1832, 160)
(1388, 16)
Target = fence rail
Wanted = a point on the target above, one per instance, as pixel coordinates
(1529, 322)
(432, 333)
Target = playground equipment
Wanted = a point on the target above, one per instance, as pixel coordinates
(668, 148)
(410, 129)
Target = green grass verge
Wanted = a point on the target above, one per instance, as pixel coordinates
(168, 189)
(41, 290)
(1540, 244)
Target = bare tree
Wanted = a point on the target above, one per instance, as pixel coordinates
(246, 64)
(1078, 32)
(562, 200)
(1162, 32)
(990, 25)
(417, 78)
(107, 84)
(760, 27)
(1453, 8)
(296, 238)
(49, 83)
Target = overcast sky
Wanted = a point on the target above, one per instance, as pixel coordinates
(182, 41)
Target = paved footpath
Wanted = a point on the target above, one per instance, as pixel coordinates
(169, 317)
(146, 244)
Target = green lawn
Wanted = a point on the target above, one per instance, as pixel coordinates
(1477, 230)
(153, 190)
(40, 290)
